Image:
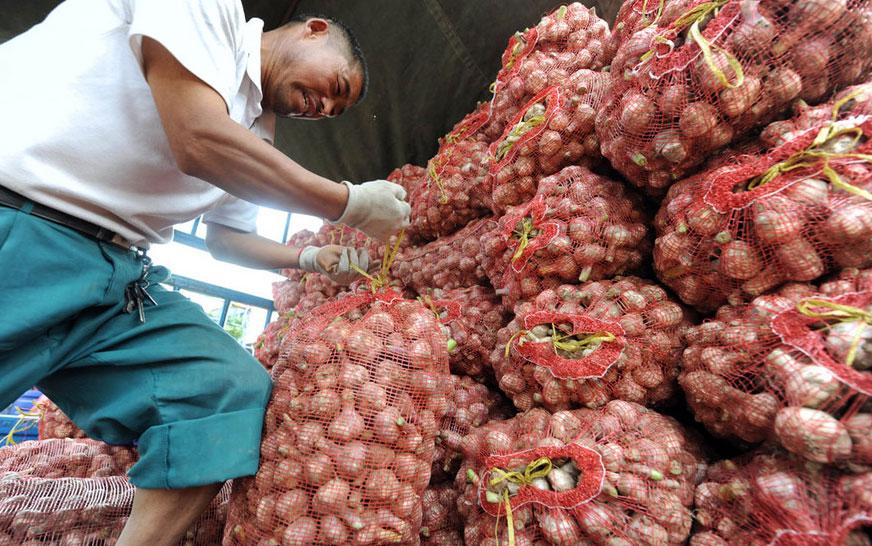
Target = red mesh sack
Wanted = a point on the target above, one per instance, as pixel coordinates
(848, 280)
(580, 226)
(711, 70)
(67, 458)
(619, 475)
(805, 208)
(269, 342)
(471, 318)
(793, 367)
(554, 129)
(53, 423)
(853, 102)
(470, 405)
(349, 433)
(455, 188)
(448, 262)
(771, 498)
(303, 291)
(582, 346)
(84, 511)
(409, 176)
(569, 39)
(441, 525)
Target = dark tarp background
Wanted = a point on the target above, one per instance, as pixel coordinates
(430, 61)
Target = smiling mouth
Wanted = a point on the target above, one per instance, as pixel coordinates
(310, 109)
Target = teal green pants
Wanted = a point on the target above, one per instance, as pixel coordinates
(177, 386)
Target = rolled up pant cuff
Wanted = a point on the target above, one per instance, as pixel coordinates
(199, 452)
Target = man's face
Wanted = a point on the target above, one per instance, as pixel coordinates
(321, 82)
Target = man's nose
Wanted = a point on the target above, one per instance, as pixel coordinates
(331, 108)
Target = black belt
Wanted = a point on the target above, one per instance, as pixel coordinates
(13, 200)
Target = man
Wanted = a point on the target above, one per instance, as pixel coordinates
(121, 118)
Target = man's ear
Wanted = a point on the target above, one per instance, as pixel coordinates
(317, 27)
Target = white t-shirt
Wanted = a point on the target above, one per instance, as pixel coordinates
(79, 130)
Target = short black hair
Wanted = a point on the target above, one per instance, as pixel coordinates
(349, 39)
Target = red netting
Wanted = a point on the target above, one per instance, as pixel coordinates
(855, 101)
(449, 262)
(711, 70)
(619, 475)
(848, 280)
(569, 39)
(454, 189)
(580, 226)
(303, 292)
(470, 405)
(441, 525)
(349, 433)
(53, 423)
(735, 232)
(84, 512)
(773, 499)
(794, 367)
(471, 318)
(67, 458)
(409, 177)
(554, 129)
(584, 345)
(269, 342)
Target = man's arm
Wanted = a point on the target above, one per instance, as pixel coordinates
(249, 249)
(207, 144)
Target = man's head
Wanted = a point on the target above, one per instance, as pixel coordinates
(312, 67)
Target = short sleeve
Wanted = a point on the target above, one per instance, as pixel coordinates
(205, 37)
(235, 213)
(265, 127)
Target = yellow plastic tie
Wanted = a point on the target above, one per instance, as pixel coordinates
(432, 175)
(382, 278)
(835, 313)
(511, 339)
(813, 155)
(539, 468)
(865, 88)
(520, 44)
(708, 56)
(692, 18)
(520, 129)
(523, 237)
(428, 301)
(457, 135)
(661, 5)
(558, 343)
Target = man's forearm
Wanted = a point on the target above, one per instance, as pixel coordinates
(232, 158)
(249, 249)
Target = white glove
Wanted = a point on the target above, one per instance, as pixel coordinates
(377, 208)
(335, 262)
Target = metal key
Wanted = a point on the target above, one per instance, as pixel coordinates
(143, 288)
(137, 294)
(139, 307)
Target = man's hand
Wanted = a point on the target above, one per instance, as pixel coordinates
(335, 262)
(377, 208)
